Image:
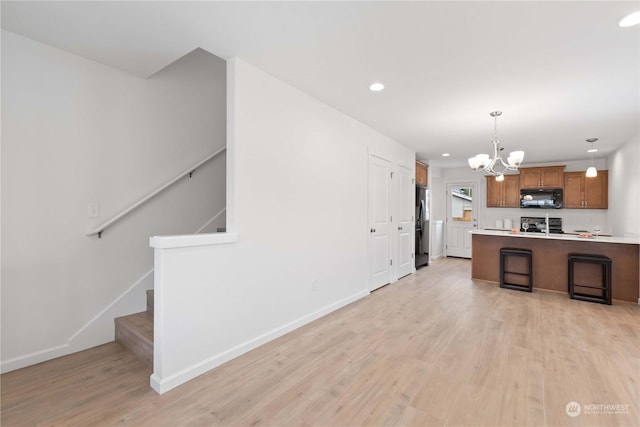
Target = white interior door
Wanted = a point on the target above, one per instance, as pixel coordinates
(404, 220)
(462, 208)
(379, 222)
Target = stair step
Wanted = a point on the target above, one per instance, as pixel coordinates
(135, 332)
(150, 301)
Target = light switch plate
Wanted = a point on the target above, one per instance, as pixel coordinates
(93, 210)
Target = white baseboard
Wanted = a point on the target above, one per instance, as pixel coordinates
(100, 329)
(162, 385)
(97, 331)
(33, 358)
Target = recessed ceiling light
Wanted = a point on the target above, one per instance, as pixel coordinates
(630, 20)
(376, 87)
(445, 154)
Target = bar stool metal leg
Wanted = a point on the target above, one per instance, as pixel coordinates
(580, 291)
(516, 252)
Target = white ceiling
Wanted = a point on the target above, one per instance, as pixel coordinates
(561, 72)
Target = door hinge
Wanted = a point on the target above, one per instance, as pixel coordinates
(390, 262)
(411, 256)
(391, 218)
(392, 175)
(413, 181)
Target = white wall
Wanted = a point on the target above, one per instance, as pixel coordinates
(300, 173)
(624, 189)
(73, 132)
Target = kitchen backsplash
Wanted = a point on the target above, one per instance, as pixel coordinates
(572, 219)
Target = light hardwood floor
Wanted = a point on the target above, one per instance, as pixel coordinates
(435, 348)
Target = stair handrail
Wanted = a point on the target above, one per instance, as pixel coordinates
(98, 230)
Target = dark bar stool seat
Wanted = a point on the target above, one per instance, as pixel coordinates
(579, 291)
(516, 252)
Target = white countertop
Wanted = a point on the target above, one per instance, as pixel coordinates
(599, 239)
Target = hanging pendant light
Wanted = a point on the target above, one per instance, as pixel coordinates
(496, 166)
(592, 172)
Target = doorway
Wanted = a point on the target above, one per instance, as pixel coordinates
(462, 211)
(391, 225)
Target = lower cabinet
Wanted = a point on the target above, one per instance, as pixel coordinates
(581, 192)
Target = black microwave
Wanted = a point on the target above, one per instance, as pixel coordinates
(541, 198)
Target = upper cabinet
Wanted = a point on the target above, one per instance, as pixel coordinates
(503, 194)
(542, 177)
(581, 192)
(421, 174)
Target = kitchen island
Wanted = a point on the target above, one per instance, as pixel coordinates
(550, 259)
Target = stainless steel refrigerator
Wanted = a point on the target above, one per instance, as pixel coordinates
(422, 227)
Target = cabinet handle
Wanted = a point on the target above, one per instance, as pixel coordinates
(399, 228)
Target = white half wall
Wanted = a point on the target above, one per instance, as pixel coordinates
(76, 132)
(299, 169)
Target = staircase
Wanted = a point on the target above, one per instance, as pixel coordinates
(135, 332)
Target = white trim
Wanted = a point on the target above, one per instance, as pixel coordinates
(69, 347)
(33, 358)
(199, 230)
(162, 385)
(114, 302)
(231, 146)
(186, 240)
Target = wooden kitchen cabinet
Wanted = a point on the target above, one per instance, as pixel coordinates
(421, 174)
(542, 177)
(581, 192)
(503, 194)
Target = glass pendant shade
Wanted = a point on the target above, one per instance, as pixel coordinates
(591, 170)
(474, 163)
(479, 161)
(515, 158)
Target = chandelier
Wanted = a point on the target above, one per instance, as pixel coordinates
(496, 166)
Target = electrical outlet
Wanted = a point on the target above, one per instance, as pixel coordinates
(93, 210)
(314, 285)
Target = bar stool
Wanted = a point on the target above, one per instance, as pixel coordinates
(605, 285)
(516, 252)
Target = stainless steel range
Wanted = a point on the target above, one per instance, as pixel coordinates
(537, 225)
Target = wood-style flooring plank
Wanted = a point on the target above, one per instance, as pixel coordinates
(435, 348)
